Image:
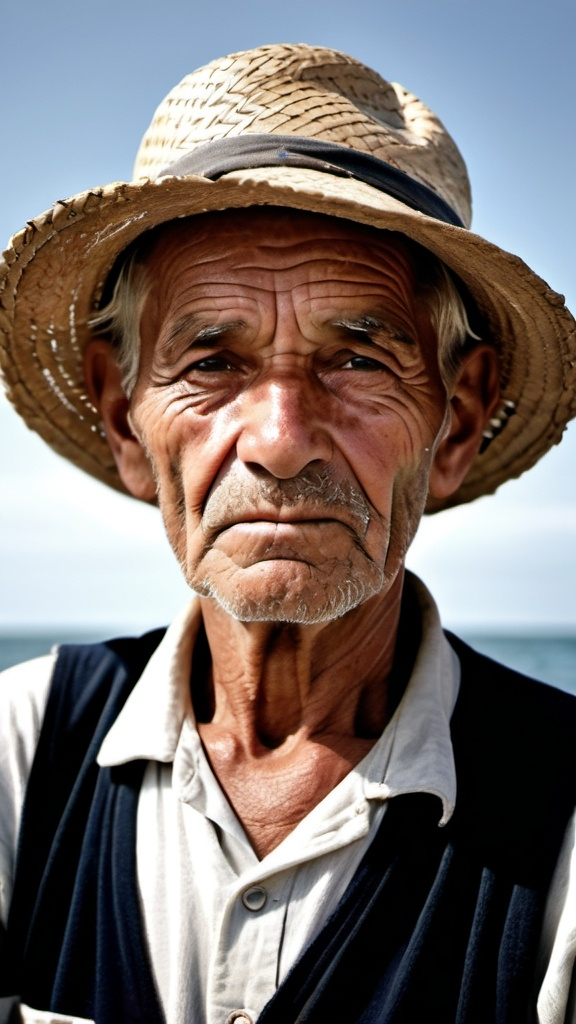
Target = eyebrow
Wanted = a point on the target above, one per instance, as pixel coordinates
(371, 322)
(193, 325)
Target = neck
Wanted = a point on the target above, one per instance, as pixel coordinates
(271, 682)
(286, 711)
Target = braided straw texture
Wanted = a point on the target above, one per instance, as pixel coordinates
(313, 92)
(53, 271)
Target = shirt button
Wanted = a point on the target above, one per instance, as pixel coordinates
(239, 1017)
(254, 898)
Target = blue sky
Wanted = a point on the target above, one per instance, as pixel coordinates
(81, 82)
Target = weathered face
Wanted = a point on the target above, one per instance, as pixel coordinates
(289, 400)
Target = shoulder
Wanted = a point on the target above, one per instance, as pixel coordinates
(505, 711)
(50, 710)
(24, 693)
(514, 741)
(28, 688)
(501, 694)
(90, 684)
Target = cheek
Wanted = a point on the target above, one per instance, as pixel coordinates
(187, 451)
(391, 454)
(396, 440)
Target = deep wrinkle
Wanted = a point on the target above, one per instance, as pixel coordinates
(301, 597)
(333, 316)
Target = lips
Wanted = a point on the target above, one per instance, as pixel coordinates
(279, 537)
(308, 498)
(254, 518)
(314, 542)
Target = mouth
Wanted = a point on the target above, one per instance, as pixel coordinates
(281, 526)
(310, 541)
(311, 499)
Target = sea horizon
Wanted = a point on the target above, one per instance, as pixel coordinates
(544, 652)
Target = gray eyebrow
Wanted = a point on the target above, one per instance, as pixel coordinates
(371, 322)
(203, 334)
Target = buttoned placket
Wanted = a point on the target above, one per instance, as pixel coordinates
(252, 910)
(244, 967)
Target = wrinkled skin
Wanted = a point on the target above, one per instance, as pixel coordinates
(290, 414)
(249, 376)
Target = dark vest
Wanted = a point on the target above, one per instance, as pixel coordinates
(438, 925)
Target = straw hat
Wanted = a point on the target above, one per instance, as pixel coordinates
(344, 143)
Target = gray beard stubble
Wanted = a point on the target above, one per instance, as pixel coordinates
(314, 491)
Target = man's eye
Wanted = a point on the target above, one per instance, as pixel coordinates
(211, 364)
(362, 363)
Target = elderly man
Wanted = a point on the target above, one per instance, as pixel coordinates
(303, 802)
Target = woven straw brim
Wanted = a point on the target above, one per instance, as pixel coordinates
(55, 269)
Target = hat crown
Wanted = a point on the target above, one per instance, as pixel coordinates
(54, 270)
(311, 92)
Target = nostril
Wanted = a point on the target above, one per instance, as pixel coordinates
(258, 471)
(261, 473)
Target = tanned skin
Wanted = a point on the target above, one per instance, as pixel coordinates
(290, 419)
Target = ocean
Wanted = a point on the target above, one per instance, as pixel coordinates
(551, 658)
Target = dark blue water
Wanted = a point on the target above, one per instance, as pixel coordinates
(17, 647)
(551, 658)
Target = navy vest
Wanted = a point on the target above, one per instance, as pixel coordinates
(439, 925)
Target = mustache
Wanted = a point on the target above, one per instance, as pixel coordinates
(316, 494)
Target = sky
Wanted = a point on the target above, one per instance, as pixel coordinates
(81, 82)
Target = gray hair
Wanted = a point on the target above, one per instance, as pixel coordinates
(120, 317)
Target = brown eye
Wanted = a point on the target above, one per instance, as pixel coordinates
(362, 363)
(212, 364)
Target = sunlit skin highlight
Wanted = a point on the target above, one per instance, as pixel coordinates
(286, 355)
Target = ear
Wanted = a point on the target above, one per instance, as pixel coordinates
(475, 396)
(104, 383)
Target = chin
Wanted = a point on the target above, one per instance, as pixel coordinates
(307, 604)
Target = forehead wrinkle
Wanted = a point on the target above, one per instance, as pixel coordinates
(384, 261)
(346, 268)
(211, 236)
(247, 255)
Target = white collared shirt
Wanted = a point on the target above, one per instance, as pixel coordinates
(223, 927)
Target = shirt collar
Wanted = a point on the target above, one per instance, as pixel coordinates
(414, 753)
(150, 723)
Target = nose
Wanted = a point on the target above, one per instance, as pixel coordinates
(284, 427)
